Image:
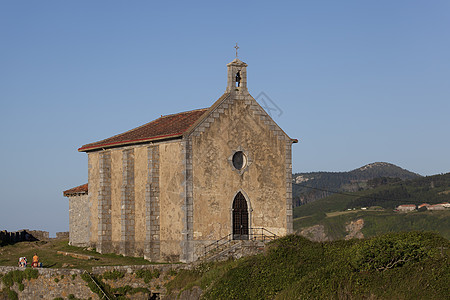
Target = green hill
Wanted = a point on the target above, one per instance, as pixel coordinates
(395, 266)
(308, 187)
(336, 212)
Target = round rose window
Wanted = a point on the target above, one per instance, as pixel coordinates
(239, 160)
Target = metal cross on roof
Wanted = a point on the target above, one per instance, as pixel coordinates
(236, 47)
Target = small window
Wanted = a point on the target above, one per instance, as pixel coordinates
(239, 160)
(238, 79)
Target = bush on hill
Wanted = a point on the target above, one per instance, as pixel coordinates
(394, 250)
(296, 268)
(379, 181)
(386, 198)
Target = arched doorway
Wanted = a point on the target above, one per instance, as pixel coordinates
(240, 218)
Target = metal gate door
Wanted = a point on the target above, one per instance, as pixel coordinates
(240, 218)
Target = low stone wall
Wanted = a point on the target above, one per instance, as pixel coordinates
(26, 235)
(51, 284)
(62, 235)
(17, 236)
(163, 268)
(156, 284)
(40, 235)
(54, 283)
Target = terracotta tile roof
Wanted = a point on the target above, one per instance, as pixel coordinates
(82, 189)
(169, 126)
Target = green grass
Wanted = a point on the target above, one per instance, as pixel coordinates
(438, 221)
(380, 222)
(296, 268)
(202, 276)
(332, 203)
(47, 252)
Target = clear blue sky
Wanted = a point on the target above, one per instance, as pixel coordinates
(356, 82)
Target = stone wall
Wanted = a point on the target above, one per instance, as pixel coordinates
(54, 283)
(171, 201)
(156, 285)
(104, 211)
(163, 268)
(239, 124)
(24, 235)
(129, 181)
(140, 188)
(152, 206)
(15, 237)
(94, 186)
(62, 235)
(39, 234)
(127, 205)
(79, 216)
(51, 284)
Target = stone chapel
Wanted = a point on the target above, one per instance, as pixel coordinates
(166, 189)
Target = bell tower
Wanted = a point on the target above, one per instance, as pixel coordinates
(237, 75)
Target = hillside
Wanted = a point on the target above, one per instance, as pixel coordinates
(396, 266)
(308, 187)
(329, 218)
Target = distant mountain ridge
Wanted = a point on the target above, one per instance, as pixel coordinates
(308, 187)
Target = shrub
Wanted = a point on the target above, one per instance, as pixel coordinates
(123, 290)
(12, 295)
(17, 276)
(21, 287)
(93, 284)
(31, 274)
(392, 250)
(8, 280)
(56, 280)
(113, 275)
(147, 275)
(156, 273)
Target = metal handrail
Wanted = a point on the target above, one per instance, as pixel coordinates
(215, 245)
(265, 234)
(99, 287)
(253, 235)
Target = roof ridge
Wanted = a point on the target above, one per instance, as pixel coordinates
(183, 112)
